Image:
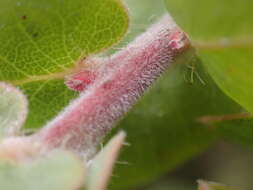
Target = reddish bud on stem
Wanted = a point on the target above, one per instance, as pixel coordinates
(81, 80)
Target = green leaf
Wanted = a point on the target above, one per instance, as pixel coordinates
(163, 128)
(13, 110)
(236, 127)
(58, 171)
(222, 32)
(42, 41)
(143, 13)
(239, 131)
(204, 185)
(223, 35)
(169, 184)
(101, 166)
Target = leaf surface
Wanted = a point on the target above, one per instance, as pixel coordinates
(42, 41)
(13, 110)
(100, 170)
(163, 128)
(163, 131)
(58, 171)
(222, 32)
(223, 35)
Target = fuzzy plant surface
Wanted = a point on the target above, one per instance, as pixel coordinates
(108, 86)
(62, 91)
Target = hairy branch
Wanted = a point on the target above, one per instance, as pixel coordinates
(110, 87)
(114, 88)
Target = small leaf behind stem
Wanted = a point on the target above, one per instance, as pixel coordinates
(101, 166)
(13, 110)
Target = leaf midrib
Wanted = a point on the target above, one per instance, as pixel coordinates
(51, 76)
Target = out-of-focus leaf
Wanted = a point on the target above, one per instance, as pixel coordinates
(171, 184)
(239, 131)
(237, 127)
(13, 110)
(204, 185)
(58, 171)
(163, 131)
(102, 165)
(223, 34)
(42, 41)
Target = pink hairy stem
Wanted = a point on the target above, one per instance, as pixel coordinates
(119, 83)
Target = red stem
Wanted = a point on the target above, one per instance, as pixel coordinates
(121, 81)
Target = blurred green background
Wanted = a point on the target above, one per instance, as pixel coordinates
(226, 160)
